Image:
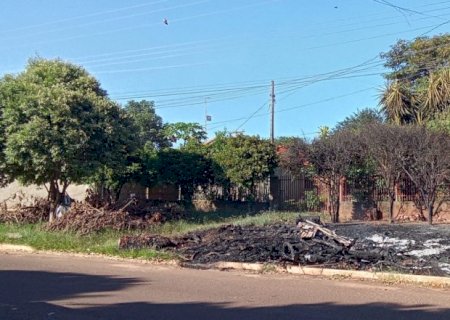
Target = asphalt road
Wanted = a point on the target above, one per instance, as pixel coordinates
(40, 286)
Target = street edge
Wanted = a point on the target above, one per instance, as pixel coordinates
(324, 272)
(265, 267)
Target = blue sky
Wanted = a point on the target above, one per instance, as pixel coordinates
(221, 55)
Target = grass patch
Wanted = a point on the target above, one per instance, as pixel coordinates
(106, 242)
(100, 243)
(203, 221)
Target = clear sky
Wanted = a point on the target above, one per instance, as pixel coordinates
(221, 55)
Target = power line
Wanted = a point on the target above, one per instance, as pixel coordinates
(152, 68)
(255, 115)
(122, 17)
(89, 15)
(195, 96)
(182, 19)
(403, 9)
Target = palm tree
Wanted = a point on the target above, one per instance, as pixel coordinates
(437, 95)
(405, 103)
(396, 102)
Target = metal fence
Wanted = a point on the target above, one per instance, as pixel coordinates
(374, 189)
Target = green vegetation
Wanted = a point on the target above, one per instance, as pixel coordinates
(59, 126)
(106, 243)
(103, 243)
(417, 87)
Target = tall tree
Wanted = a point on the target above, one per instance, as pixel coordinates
(151, 131)
(149, 137)
(60, 127)
(412, 61)
(418, 87)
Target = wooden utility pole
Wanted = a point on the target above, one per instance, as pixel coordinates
(207, 117)
(272, 137)
(272, 113)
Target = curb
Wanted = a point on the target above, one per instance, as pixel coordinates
(4, 247)
(325, 272)
(260, 267)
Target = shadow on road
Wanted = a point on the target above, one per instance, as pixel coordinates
(28, 295)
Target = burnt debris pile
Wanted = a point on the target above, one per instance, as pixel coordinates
(408, 248)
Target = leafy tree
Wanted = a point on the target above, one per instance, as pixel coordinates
(187, 132)
(441, 122)
(185, 169)
(60, 127)
(411, 61)
(360, 119)
(149, 136)
(293, 155)
(151, 131)
(360, 173)
(245, 160)
(418, 86)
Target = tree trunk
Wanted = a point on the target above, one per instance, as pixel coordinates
(430, 213)
(391, 210)
(334, 197)
(336, 212)
(53, 194)
(116, 194)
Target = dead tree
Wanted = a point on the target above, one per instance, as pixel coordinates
(425, 159)
(382, 143)
(331, 157)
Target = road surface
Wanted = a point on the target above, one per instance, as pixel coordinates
(42, 286)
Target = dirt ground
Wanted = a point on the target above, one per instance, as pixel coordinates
(408, 248)
(77, 192)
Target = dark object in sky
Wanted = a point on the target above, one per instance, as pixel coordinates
(166, 22)
(336, 7)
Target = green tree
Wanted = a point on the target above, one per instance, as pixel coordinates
(360, 119)
(151, 131)
(149, 137)
(188, 133)
(183, 168)
(412, 61)
(418, 87)
(441, 122)
(60, 127)
(245, 160)
(293, 155)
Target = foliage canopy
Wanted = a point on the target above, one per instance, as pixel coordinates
(59, 125)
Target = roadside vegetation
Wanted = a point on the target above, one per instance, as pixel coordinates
(105, 242)
(58, 126)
